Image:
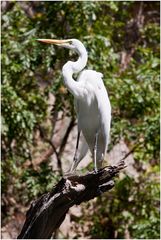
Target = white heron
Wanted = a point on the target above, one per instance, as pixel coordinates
(91, 101)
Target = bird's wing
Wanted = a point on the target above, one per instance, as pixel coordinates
(97, 86)
(94, 86)
(104, 106)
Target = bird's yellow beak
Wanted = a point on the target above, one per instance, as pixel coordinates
(54, 41)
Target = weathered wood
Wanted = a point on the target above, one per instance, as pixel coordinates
(48, 212)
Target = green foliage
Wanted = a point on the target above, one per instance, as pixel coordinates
(31, 70)
(38, 182)
(23, 104)
(130, 212)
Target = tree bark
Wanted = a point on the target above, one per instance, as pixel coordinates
(48, 212)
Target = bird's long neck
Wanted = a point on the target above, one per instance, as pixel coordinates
(74, 67)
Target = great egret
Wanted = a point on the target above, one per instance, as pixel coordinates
(91, 101)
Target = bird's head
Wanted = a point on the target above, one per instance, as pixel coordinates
(72, 44)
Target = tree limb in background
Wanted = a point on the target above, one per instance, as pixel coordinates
(66, 135)
(51, 150)
(48, 212)
(132, 36)
(6, 6)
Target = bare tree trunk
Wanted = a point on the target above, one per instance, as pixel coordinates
(48, 212)
(6, 6)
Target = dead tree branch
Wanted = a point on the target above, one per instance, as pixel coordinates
(48, 212)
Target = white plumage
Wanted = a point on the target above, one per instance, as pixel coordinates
(92, 104)
(94, 116)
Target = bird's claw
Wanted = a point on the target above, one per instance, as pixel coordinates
(95, 170)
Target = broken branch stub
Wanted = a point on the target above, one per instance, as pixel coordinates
(48, 212)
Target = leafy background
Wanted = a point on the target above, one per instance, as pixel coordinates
(122, 39)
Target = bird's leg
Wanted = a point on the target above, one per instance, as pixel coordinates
(76, 153)
(95, 154)
(77, 144)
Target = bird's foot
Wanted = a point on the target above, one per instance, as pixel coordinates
(95, 170)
